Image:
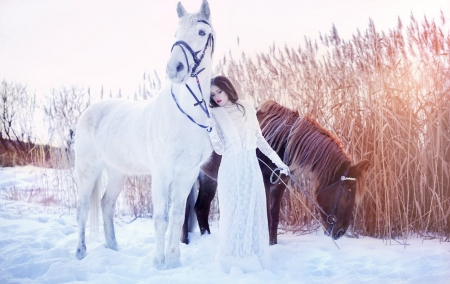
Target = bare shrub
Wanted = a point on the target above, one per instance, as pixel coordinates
(17, 107)
(62, 110)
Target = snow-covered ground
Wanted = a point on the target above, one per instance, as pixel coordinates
(37, 245)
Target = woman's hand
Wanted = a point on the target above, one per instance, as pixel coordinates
(279, 163)
(284, 169)
(210, 122)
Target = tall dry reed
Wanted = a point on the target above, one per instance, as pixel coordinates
(387, 96)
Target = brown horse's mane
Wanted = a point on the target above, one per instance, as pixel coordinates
(310, 147)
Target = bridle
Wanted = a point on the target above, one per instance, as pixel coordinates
(197, 60)
(330, 218)
(194, 73)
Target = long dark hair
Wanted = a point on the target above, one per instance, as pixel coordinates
(226, 86)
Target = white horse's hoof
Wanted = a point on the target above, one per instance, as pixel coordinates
(173, 259)
(112, 246)
(159, 263)
(81, 253)
(173, 264)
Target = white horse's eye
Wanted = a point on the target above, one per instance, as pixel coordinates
(201, 33)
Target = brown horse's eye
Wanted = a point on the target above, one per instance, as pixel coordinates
(348, 192)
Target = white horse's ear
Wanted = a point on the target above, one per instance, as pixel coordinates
(180, 10)
(205, 9)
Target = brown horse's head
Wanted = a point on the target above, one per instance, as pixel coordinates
(316, 156)
(338, 198)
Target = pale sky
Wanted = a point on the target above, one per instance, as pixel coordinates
(51, 43)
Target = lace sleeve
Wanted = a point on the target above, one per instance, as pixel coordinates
(265, 148)
(216, 137)
(262, 144)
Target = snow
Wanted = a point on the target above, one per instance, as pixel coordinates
(37, 245)
(48, 44)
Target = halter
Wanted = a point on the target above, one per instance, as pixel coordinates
(197, 61)
(330, 218)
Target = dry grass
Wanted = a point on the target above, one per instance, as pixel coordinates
(387, 96)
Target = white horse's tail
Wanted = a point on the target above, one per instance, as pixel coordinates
(94, 203)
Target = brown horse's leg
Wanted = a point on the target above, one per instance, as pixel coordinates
(184, 231)
(273, 196)
(206, 192)
(276, 196)
(267, 186)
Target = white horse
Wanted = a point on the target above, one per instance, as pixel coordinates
(165, 137)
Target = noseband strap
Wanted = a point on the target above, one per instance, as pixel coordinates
(341, 187)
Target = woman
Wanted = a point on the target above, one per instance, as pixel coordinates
(235, 134)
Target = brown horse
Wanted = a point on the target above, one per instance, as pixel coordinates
(313, 154)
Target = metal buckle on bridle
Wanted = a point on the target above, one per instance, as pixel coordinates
(347, 178)
(331, 219)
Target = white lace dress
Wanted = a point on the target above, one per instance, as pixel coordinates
(244, 238)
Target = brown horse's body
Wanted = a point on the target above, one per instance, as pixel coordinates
(312, 153)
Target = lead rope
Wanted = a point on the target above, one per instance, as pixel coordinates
(296, 196)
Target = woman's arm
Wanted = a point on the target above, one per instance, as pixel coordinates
(265, 148)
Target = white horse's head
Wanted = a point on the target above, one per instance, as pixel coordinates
(194, 44)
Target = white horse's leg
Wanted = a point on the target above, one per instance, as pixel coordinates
(86, 184)
(115, 186)
(160, 198)
(180, 189)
